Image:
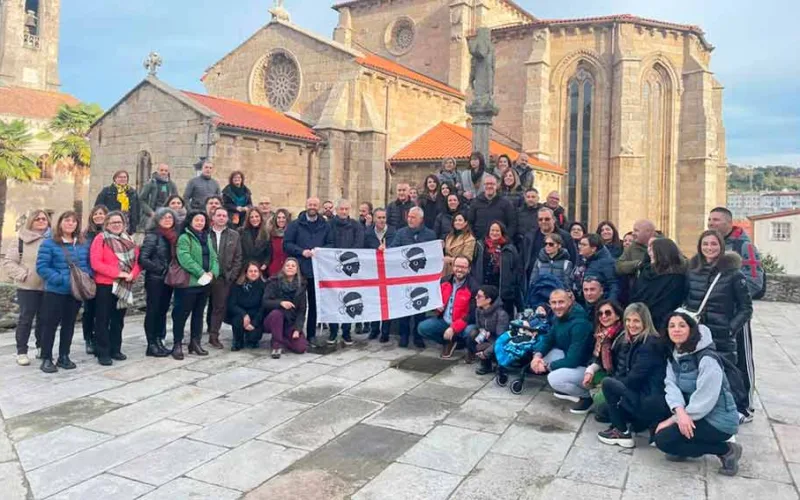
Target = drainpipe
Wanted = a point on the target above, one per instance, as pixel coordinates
(386, 147)
(614, 29)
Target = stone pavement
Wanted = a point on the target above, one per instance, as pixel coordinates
(365, 422)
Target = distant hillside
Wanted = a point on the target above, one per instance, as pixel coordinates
(769, 178)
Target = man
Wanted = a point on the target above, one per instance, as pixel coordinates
(376, 236)
(397, 211)
(527, 216)
(524, 171)
(534, 242)
(201, 187)
(212, 204)
(327, 210)
(229, 251)
(593, 293)
(489, 207)
(156, 192)
(345, 233)
(265, 207)
(632, 257)
(302, 236)
(491, 321)
(414, 232)
(736, 240)
(452, 319)
(553, 203)
(365, 213)
(566, 351)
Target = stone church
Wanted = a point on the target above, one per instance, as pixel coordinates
(622, 114)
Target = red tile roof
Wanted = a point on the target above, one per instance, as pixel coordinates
(393, 68)
(775, 215)
(446, 140)
(241, 115)
(30, 103)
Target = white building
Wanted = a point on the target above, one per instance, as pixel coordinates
(746, 204)
(778, 234)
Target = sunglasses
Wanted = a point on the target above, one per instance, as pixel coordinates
(545, 220)
(604, 313)
(40, 219)
(549, 244)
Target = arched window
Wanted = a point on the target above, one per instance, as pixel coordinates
(45, 167)
(580, 91)
(144, 165)
(656, 147)
(282, 81)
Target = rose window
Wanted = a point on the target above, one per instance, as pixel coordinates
(282, 81)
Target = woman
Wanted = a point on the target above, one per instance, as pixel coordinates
(634, 392)
(20, 265)
(97, 219)
(448, 174)
(177, 205)
(595, 261)
(444, 221)
(610, 236)
(121, 196)
(156, 254)
(236, 198)
(459, 243)
(472, 178)
(704, 413)
(244, 308)
(729, 306)
(627, 240)
(285, 306)
(59, 308)
(413, 195)
(577, 230)
(196, 255)
(115, 260)
(446, 189)
(607, 325)
(498, 264)
(661, 281)
(256, 241)
(511, 188)
(431, 202)
(553, 260)
(282, 219)
(503, 165)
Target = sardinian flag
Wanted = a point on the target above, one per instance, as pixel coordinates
(355, 286)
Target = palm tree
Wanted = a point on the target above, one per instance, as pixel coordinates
(71, 152)
(15, 163)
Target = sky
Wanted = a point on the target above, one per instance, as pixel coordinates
(103, 45)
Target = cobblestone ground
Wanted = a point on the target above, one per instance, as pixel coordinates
(368, 421)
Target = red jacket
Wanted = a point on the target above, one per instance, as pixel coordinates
(463, 303)
(106, 264)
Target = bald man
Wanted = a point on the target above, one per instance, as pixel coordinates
(627, 264)
(156, 192)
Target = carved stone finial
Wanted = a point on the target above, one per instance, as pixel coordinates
(152, 63)
(279, 12)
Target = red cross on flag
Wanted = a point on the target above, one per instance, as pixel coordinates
(354, 286)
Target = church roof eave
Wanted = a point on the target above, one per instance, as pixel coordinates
(519, 9)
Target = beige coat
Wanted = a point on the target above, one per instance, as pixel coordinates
(462, 245)
(22, 269)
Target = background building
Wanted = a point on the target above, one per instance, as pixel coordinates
(745, 204)
(777, 234)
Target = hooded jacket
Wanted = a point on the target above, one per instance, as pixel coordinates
(738, 241)
(22, 268)
(560, 267)
(303, 234)
(189, 253)
(494, 319)
(601, 265)
(483, 211)
(729, 306)
(573, 335)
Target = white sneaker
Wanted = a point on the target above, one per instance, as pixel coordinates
(745, 419)
(22, 360)
(566, 397)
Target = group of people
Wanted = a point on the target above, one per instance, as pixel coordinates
(677, 360)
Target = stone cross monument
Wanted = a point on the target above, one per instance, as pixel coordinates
(481, 81)
(152, 63)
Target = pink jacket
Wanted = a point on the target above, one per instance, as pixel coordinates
(105, 262)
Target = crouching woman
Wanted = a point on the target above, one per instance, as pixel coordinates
(285, 304)
(697, 391)
(244, 308)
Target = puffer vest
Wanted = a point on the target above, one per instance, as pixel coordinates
(724, 416)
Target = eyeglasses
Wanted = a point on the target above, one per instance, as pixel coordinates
(604, 313)
(40, 219)
(116, 223)
(549, 244)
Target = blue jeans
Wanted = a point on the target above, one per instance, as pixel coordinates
(433, 329)
(405, 326)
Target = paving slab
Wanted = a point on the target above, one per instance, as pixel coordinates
(761, 459)
(789, 440)
(189, 489)
(318, 390)
(412, 414)
(407, 482)
(233, 379)
(322, 423)
(143, 389)
(55, 445)
(165, 464)
(104, 487)
(420, 363)
(247, 466)
(361, 369)
(724, 488)
(12, 481)
(529, 442)
(284, 363)
(343, 356)
(649, 483)
(7, 453)
(210, 412)
(45, 396)
(567, 489)
(441, 392)
(485, 415)
(144, 369)
(612, 474)
(302, 373)
(501, 476)
(549, 414)
(221, 361)
(258, 393)
(387, 385)
(317, 485)
(461, 376)
(450, 449)
(73, 412)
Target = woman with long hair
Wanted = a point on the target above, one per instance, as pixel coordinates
(236, 198)
(704, 416)
(244, 308)
(661, 281)
(59, 308)
(460, 242)
(430, 201)
(280, 222)
(256, 240)
(177, 205)
(610, 236)
(19, 264)
(444, 221)
(196, 255)
(158, 251)
(503, 165)
(472, 178)
(607, 325)
(122, 197)
(511, 188)
(285, 306)
(115, 260)
(97, 219)
(497, 263)
(635, 391)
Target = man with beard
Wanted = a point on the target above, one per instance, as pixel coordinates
(345, 233)
(524, 171)
(397, 211)
(527, 216)
(553, 203)
(156, 192)
(489, 207)
(327, 210)
(200, 188)
(534, 242)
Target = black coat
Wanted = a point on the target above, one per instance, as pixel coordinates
(661, 293)
(483, 211)
(729, 306)
(347, 233)
(444, 223)
(431, 208)
(247, 299)
(534, 242)
(252, 249)
(407, 236)
(371, 239)
(108, 197)
(510, 276)
(302, 234)
(642, 366)
(397, 212)
(273, 298)
(230, 205)
(527, 222)
(155, 256)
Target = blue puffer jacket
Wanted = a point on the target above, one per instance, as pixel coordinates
(302, 234)
(601, 265)
(52, 266)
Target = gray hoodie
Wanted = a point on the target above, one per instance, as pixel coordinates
(198, 190)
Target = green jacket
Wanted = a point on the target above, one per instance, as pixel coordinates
(190, 257)
(631, 258)
(573, 335)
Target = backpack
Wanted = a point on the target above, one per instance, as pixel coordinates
(732, 380)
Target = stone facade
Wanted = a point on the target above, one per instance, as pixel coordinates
(28, 47)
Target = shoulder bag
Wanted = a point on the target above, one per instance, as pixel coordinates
(81, 285)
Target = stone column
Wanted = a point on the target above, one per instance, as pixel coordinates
(482, 117)
(536, 110)
(482, 108)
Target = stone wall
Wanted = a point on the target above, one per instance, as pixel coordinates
(783, 288)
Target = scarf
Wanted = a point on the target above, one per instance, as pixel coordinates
(603, 339)
(122, 197)
(239, 195)
(202, 237)
(494, 249)
(477, 174)
(171, 236)
(125, 250)
(288, 289)
(278, 232)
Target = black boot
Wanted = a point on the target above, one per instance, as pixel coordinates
(118, 356)
(403, 341)
(177, 351)
(196, 348)
(484, 368)
(154, 351)
(65, 363)
(48, 366)
(90, 350)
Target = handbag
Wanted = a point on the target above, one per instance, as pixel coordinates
(81, 285)
(177, 277)
(695, 315)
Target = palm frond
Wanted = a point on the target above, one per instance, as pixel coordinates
(15, 162)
